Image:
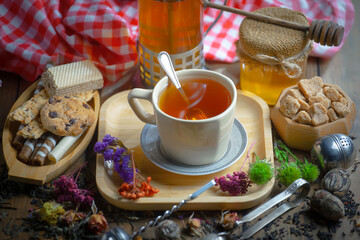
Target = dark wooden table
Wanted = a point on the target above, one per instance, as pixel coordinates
(343, 69)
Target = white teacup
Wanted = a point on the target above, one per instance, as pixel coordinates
(190, 142)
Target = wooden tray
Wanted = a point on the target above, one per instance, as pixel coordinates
(21, 172)
(117, 119)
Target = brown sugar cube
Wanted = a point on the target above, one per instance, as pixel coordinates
(341, 109)
(303, 105)
(294, 92)
(318, 114)
(332, 93)
(309, 87)
(302, 117)
(332, 115)
(320, 98)
(343, 100)
(289, 106)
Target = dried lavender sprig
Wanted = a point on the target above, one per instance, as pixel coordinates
(174, 208)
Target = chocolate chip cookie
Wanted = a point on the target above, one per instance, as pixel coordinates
(65, 116)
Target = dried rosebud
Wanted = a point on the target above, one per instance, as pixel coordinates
(167, 230)
(229, 219)
(97, 223)
(194, 226)
(194, 223)
(50, 212)
(70, 217)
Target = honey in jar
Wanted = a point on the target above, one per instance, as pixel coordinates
(272, 57)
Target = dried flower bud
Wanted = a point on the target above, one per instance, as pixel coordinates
(97, 223)
(337, 181)
(327, 205)
(194, 226)
(229, 219)
(167, 230)
(50, 212)
(70, 217)
(194, 223)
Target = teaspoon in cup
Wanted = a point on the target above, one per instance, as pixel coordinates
(165, 62)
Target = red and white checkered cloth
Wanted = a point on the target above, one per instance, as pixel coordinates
(34, 32)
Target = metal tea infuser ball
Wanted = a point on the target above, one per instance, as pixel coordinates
(333, 151)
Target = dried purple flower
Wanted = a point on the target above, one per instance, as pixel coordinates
(124, 169)
(114, 151)
(109, 139)
(118, 153)
(67, 190)
(235, 184)
(108, 154)
(99, 146)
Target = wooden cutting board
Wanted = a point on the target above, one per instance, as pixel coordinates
(117, 119)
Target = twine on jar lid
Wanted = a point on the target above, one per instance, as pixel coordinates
(275, 45)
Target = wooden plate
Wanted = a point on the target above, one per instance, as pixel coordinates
(21, 172)
(117, 119)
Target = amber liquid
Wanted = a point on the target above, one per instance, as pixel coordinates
(175, 26)
(209, 96)
(264, 80)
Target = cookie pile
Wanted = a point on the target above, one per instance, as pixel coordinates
(314, 103)
(45, 120)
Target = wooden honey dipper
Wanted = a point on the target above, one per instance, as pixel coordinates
(324, 32)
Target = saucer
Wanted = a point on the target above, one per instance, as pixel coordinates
(151, 146)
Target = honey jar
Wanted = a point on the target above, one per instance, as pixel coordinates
(272, 57)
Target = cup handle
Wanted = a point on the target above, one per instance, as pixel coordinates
(133, 99)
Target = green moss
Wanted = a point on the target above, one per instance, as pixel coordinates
(310, 172)
(288, 173)
(261, 172)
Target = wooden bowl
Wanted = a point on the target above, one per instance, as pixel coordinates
(302, 136)
(21, 172)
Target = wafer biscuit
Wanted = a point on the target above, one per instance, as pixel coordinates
(72, 78)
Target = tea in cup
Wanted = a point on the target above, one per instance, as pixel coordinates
(195, 132)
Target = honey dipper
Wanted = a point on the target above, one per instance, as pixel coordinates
(324, 32)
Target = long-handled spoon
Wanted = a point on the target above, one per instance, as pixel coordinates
(322, 31)
(165, 62)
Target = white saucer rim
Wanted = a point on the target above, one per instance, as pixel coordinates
(235, 158)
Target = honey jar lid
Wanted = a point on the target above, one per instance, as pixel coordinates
(260, 38)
